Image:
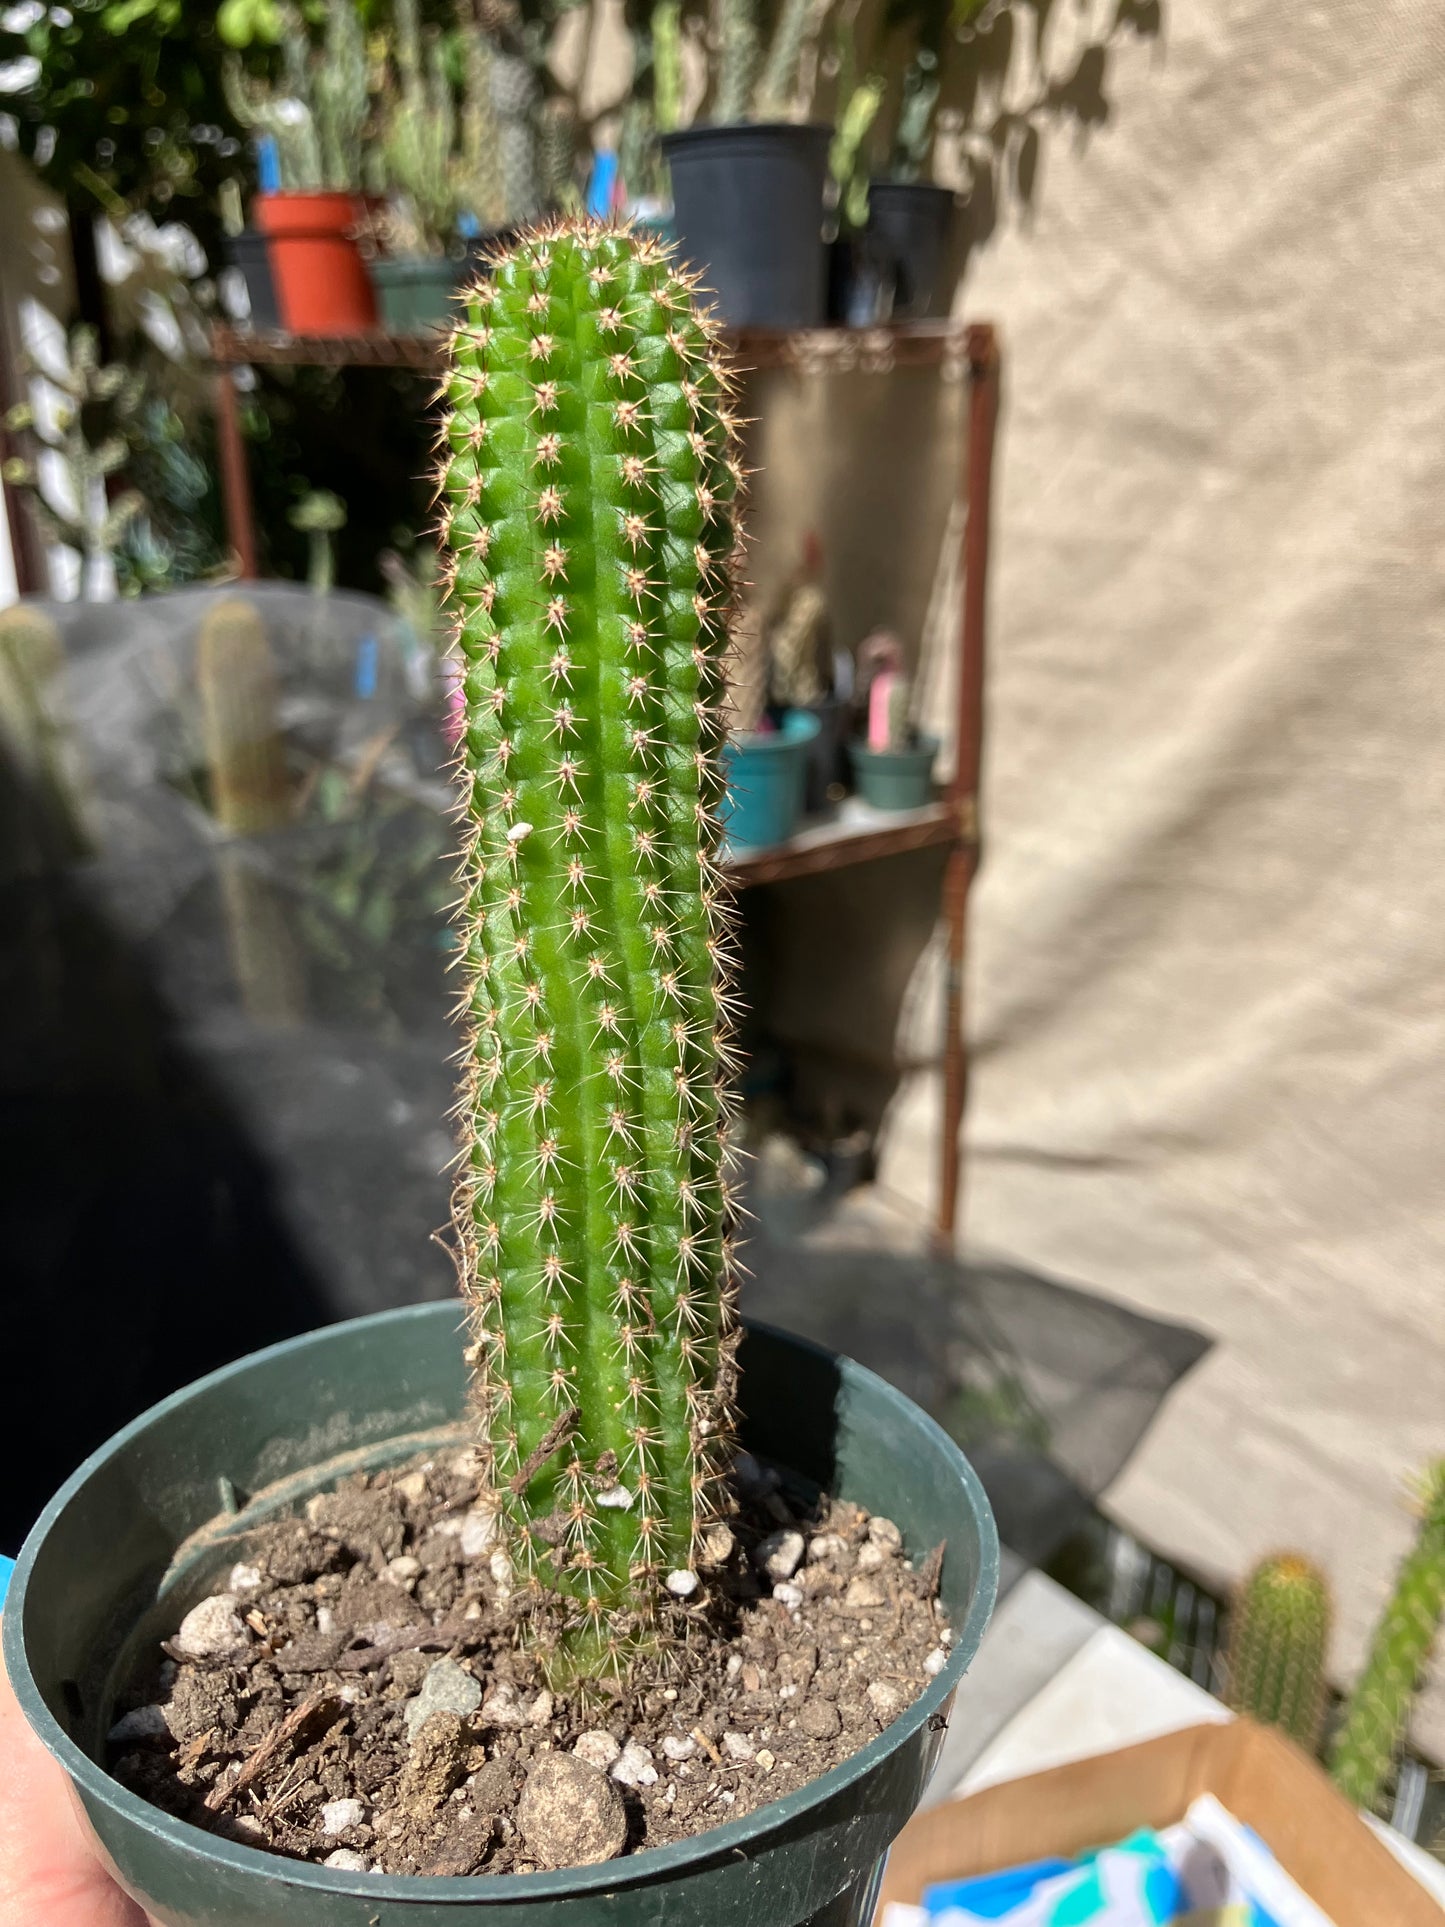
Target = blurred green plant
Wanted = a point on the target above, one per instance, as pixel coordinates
(319, 516)
(1377, 1713)
(80, 435)
(1279, 1627)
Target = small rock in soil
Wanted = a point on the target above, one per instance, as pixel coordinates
(570, 1814)
(633, 1766)
(737, 1746)
(883, 1532)
(463, 1848)
(678, 1746)
(212, 1630)
(598, 1749)
(718, 1545)
(338, 1815)
(244, 1578)
(779, 1555)
(787, 1594)
(682, 1584)
(345, 1861)
(819, 1719)
(447, 1688)
(141, 1723)
(935, 1662)
(504, 1706)
(885, 1699)
(434, 1765)
(479, 1529)
(865, 1593)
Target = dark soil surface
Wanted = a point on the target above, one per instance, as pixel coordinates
(360, 1693)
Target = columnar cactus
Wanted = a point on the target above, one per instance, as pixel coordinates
(738, 57)
(516, 92)
(421, 128)
(35, 742)
(1379, 1709)
(587, 482)
(1279, 1628)
(240, 719)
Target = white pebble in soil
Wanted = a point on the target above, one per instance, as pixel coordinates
(779, 1555)
(871, 1558)
(886, 1700)
(935, 1662)
(212, 1629)
(737, 1746)
(633, 1766)
(884, 1533)
(445, 1688)
(345, 1861)
(244, 1578)
(479, 1528)
(505, 1706)
(682, 1584)
(598, 1749)
(825, 1548)
(789, 1595)
(678, 1746)
(338, 1815)
(142, 1723)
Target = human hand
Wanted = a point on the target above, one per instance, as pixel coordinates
(49, 1872)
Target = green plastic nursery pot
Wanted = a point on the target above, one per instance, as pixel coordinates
(414, 292)
(121, 1551)
(767, 781)
(895, 779)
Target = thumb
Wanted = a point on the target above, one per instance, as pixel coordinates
(49, 1870)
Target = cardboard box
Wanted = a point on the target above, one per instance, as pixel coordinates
(1264, 1780)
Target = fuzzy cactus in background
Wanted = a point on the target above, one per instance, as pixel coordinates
(317, 115)
(1378, 1712)
(557, 134)
(35, 742)
(738, 58)
(480, 186)
(774, 96)
(240, 719)
(587, 482)
(1279, 1629)
(516, 93)
(667, 65)
(420, 132)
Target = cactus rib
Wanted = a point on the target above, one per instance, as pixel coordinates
(588, 479)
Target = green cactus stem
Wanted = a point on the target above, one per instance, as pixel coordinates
(319, 516)
(516, 93)
(557, 152)
(420, 134)
(667, 65)
(774, 95)
(587, 482)
(1378, 1712)
(480, 185)
(341, 96)
(1279, 1629)
(738, 57)
(35, 741)
(240, 719)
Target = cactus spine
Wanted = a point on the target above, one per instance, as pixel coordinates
(1379, 1708)
(1278, 1633)
(587, 483)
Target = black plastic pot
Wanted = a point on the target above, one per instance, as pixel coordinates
(249, 252)
(748, 214)
(908, 226)
(135, 1537)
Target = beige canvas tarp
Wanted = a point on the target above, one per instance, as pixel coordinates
(1208, 972)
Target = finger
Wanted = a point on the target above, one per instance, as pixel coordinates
(48, 1866)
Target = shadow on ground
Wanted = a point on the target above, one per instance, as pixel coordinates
(1047, 1386)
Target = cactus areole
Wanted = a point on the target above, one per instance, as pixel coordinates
(587, 482)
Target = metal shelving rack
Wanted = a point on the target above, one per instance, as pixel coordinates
(967, 351)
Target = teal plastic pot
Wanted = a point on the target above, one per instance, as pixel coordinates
(767, 777)
(895, 779)
(414, 292)
(120, 1552)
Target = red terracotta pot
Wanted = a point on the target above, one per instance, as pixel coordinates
(322, 286)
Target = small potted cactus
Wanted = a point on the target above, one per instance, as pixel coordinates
(312, 215)
(599, 1557)
(893, 765)
(748, 184)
